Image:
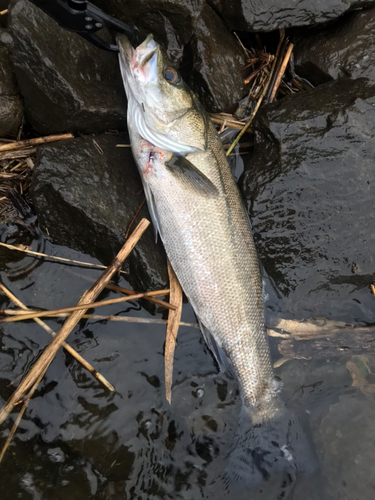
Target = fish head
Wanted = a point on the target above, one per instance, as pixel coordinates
(165, 111)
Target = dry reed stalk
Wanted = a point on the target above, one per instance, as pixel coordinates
(229, 122)
(121, 319)
(79, 307)
(259, 102)
(159, 302)
(21, 153)
(49, 353)
(46, 256)
(66, 346)
(134, 217)
(174, 318)
(20, 415)
(33, 142)
(281, 71)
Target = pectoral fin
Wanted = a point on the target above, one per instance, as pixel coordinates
(153, 211)
(186, 173)
(225, 365)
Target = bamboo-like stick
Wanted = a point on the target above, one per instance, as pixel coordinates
(20, 415)
(159, 302)
(281, 71)
(46, 256)
(174, 318)
(49, 353)
(220, 120)
(123, 319)
(79, 307)
(88, 264)
(257, 106)
(21, 153)
(66, 346)
(33, 142)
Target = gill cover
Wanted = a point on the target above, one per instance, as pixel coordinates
(167, 115)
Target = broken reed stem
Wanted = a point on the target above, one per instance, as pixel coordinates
(49, 353)
(234, 143)
(279, 57)
(88, 264)
(134, 217)
(173, 324)
(32, 142)
(66, 346)
(21, 153)
(281, 71)
(159, 302)
(124, 319)
(46, 256)
(80, 306)
(20, 415)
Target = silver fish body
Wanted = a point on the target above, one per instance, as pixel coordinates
(208, 241)
(198, 211)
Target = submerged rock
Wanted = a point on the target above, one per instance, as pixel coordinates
(217, 59)
(269, 15)
(344, 50)
(67, 83)
(11, 105)
(86, 195)
(310, 192)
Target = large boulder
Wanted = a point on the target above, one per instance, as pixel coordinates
(172, 22)
(4, 17)
(217, 57)
(344, 50)
(67, 83)
(268, 15)
(310, 191)
(11, 105)
(85, 192)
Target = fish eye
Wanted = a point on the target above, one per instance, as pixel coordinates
(171, 75)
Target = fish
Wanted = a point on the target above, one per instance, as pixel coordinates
(198, 213)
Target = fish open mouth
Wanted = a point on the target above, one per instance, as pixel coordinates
(140, 62)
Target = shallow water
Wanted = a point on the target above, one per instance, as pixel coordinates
(78, 441)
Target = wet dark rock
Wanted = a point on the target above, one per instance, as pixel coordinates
(172, 22)
(346, 438)
(217, 59)
(67, 83)
(269, 15)
(11, 105)
(310, 192)
(3, 18)
(86, 199)
(344, 50)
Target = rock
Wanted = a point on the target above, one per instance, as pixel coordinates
(345, 441)
(11, 106)
(67, 83)
(269, 15)
(171, 21)
(310, 192)
(3, 18)
(87, 198)
(346, 50)
(217, 59)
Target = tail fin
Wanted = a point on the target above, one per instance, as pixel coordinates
(267, 458)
